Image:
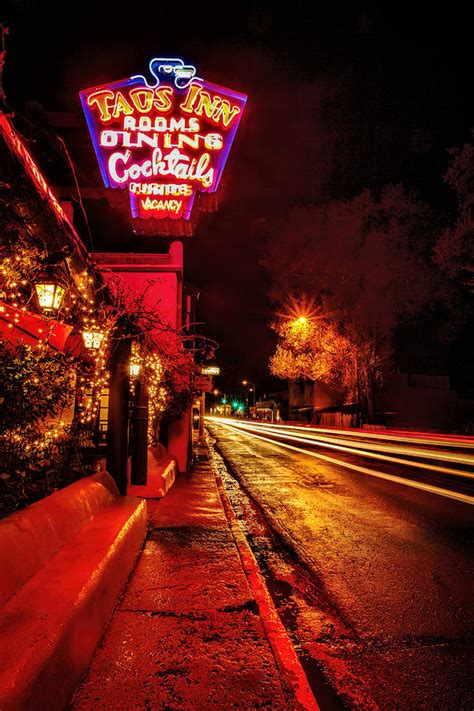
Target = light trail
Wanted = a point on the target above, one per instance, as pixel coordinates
(457, 496)
(356, 448)
(437, 440)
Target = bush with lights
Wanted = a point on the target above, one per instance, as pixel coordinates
(34, 454)
(38, 451)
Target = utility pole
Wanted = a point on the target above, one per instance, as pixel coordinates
(251, 389)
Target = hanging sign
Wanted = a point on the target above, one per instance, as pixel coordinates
(211, 370)
(162, 141)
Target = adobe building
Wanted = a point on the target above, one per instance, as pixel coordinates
(158, 278)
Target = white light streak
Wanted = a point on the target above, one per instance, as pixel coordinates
(245, 428)
(390, 435)
(361, 450)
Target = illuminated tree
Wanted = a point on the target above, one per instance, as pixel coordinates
(366, 264)
(312, 349)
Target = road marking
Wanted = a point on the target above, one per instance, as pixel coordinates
(464, 498)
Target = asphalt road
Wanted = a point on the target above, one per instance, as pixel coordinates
(393, 564)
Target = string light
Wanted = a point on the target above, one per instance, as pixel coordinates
(93, 386)
(135, 362)
(158, 395)
(26, 267)
(153, 369)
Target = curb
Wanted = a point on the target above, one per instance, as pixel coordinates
(283, 651)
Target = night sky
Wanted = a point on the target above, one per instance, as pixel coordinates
(338, 101)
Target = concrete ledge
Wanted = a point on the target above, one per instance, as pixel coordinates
(30, 537)
(51, 625)
(162, 470)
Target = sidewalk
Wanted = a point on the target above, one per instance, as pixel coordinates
(187, 632)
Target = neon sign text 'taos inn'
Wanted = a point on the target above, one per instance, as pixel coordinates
(164, 140)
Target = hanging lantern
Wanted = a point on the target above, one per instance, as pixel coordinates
(93, 339)
(50, 295)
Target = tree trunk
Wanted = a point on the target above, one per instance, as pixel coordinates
(370, 386)
(358, 422)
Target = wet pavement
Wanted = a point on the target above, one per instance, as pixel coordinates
(376, 579)
(187, 632)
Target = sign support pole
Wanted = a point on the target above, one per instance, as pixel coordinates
(201, 414)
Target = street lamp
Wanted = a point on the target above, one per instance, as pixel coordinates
(251, 389)
(300, 326)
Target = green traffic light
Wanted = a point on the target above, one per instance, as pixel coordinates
(224, 400)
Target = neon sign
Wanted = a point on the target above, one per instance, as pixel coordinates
(163, 141)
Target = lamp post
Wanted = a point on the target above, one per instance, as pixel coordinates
(250, 390)
(226, 405)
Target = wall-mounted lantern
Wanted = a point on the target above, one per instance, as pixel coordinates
(93, 339)
(50, 295)
(134, 369)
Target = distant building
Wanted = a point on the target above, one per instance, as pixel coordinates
(271, 408)
(404, 401)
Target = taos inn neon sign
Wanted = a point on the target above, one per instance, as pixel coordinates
(163, 141)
